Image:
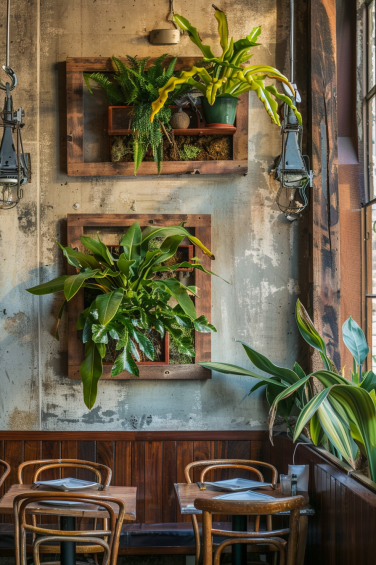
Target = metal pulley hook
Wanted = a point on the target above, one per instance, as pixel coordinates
(171, 14)
(13, 78)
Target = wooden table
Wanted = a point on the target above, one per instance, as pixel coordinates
(68, 514)
(187, 493)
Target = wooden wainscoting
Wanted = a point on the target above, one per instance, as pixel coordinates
(342, 532)
(151, 461)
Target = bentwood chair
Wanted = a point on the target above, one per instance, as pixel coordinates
(107, 538)
(287, 548)
(103, 475)
(225, 464)
(5, 472)
(102, 472)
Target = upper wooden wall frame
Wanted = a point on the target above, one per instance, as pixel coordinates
(202, 227)
(75, 67)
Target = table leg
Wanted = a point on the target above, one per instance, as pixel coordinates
(302, 540)
(67, 548)
(239, 550)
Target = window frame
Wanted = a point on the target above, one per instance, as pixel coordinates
(366, 215)
(368, 94)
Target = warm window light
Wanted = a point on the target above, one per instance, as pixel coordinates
(14, 163)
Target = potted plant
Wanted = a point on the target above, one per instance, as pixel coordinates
(341, 414)
(136, 86)
(131, 299)
(224, 78)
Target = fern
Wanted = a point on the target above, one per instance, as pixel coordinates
(133, 84)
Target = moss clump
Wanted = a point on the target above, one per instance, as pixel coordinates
(206, 148)
(189, 152)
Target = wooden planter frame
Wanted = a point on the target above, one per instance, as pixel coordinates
(201, 223)
(76, 167)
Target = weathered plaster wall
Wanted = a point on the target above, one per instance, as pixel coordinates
(256, 249)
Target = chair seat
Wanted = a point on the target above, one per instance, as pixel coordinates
(6, 536)
(137, 535)
(162, 535)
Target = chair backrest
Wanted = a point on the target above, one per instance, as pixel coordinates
(112, 529)
(5, 473)
(216, 463)
(291, 504)
(102, 472)
(230, 466)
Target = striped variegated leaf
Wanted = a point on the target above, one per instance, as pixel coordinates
(261, 362)
(228, 369)
(338, 433)
(308, 411)
(284, 394)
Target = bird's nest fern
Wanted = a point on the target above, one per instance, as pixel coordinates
(133, 84)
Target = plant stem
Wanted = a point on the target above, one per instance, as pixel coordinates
(289, 426)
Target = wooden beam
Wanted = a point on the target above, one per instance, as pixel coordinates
(325, 207)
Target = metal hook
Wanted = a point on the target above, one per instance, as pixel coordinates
(13, 77)
(171, 14)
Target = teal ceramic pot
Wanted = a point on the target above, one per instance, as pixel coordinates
(222, 112)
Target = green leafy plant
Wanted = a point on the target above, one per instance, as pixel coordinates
(131, 299)
(136, 85)
(342, 415)
(227, 75)
(189, 152)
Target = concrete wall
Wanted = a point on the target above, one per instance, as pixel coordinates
(255, 248)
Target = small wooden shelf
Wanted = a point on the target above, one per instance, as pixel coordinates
(188, 131)
(78, 167)
(120, 116)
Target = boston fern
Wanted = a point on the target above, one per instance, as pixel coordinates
(131, 299)
(134, 85)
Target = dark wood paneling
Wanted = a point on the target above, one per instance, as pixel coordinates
(184, 456)
(86, 452)
(153, 482)
(168, 478)
(211, 435)
(123, 464)
(342, 530)
(138, 477)
(69, 450)
(106, 453)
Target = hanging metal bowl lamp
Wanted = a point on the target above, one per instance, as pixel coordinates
(291, 168)
(14, 163)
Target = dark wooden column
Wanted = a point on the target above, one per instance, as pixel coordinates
(325, 205)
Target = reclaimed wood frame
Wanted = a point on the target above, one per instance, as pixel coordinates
(201, 223)
(76, 167)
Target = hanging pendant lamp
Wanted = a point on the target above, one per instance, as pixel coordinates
(291, 168)
(14, 163)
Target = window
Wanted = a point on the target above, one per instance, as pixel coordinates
(371, 98)
(370, 208)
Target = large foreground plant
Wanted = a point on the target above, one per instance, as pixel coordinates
(226, 75)
(131, 300)
(342, 412)
(134, 84)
